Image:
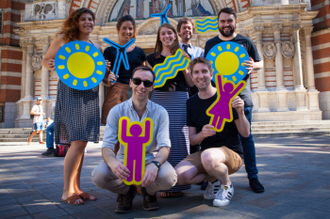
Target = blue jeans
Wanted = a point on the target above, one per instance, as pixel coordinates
(50, 136)
(249, 148)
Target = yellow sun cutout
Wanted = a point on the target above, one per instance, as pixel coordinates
(80, 65)
(227, 58)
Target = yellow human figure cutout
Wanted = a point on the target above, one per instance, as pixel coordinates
(221, 111)
(135, 137)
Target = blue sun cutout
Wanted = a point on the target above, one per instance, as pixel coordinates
(227, 58)
(80, 65)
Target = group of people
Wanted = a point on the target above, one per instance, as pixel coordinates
(177, 119)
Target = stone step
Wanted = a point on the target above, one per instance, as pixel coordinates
(286, 134)
(259, 129)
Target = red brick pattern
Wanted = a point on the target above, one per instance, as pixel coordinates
(321, 83)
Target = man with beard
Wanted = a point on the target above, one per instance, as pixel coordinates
(227, 20)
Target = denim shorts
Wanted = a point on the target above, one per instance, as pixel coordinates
(38, 126)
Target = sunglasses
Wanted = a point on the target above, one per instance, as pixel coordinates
(146, 83)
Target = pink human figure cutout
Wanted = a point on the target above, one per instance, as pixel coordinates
(135, 143)
(221, 111)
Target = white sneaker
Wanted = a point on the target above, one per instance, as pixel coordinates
(211, 190)
(223, 196)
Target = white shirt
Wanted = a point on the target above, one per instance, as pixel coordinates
(161, 133)
(193, 51)
(38, 109)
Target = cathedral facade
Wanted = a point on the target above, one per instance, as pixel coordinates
(291, 35)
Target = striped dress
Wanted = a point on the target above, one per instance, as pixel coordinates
(175, 104)
(77, 114)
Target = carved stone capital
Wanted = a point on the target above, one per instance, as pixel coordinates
(277, 27)
(296, 27)
(308, 30)
(259, 28)
(44, 40)
(244, 32)
(288, 50)
(269, 50)
(27, 41)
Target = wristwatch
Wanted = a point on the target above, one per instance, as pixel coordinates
(156, 163)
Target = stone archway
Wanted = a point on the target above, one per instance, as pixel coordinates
(103, 8)
(150, 26)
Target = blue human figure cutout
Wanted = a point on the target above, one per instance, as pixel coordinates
(121, 55)
(135, 144)
(163, 16)
(221, 111)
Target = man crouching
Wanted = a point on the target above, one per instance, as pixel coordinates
(159, 174)
(221, 153)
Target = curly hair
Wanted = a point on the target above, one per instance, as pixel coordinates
(70, 27)
(159, 46)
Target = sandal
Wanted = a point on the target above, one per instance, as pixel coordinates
(72, 199)
(171, 194)
(86, 197)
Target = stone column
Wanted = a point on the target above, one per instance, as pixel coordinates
(298, 74)
(278, 58)
(262, 92)
(261, 72)
(29, 71)
(300, 91)
(309, 60)
(281, 92)
(313, 100)
(44, 71)
(284, 2)
(24, 49)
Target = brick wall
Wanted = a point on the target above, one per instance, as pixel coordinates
(321, 45)
(10, 73)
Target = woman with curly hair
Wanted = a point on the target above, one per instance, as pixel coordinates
(77, 118)
(119, 91)
(172, 96)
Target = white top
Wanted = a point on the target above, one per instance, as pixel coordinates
(38, 109)
(193, 51)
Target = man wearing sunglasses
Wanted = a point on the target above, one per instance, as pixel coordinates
(159, 174)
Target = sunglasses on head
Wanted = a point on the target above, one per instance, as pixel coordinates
(146, 83)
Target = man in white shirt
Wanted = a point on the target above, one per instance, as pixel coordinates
(38, 121)
(159, 174)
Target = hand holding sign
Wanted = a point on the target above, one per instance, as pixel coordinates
(135, 137)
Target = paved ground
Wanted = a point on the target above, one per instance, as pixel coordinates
(294, 170)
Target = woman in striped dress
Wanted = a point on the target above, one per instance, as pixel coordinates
(172, 96)
(77, 118)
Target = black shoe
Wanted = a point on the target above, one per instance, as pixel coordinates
(49, 152)
(204, 185)
(256, 185)
(125, 201)
(149, 201)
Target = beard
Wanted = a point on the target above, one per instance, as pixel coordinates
(227, 34)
